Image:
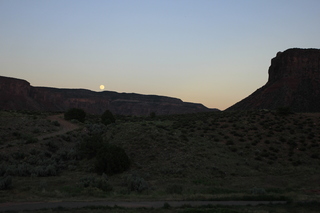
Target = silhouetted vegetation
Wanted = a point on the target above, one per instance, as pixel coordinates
(214, 155)
(76, 114)
(136, 183)
(107, 118)
(111, 160)
(90, 146)
(284, 111)
(5, 182)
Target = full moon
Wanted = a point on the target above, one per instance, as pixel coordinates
(101, 87)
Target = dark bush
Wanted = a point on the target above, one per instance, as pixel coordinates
(258, 191)
(96, 129)
(103, 184)
(111, 160)
(100, 183)
(31, 140)
(23, 170)
(284, 111)
(5, 183)
(90, 146)
(75, 113)
(18, 155)
(152, 115)
(88, 181)
(174, 189)
(107, 118)
(136, 183)
(45, 171)
(56, 123)
(52, 147)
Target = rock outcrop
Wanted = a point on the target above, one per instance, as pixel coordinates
(294, 82)
(16, 94)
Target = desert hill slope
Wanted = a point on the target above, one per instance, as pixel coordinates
(16, 94)
(193, 156)
(294, 81)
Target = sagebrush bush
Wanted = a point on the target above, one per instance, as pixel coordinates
(96, 129)
(100, 183)
(3, 169)
(90, 146)
(87, 181)
(174, 189)
(5, 183)
(56, 123)
(111, 160)
(136, 183)
(103, 184)
(258, 191)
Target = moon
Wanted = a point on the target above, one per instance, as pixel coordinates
(101, 87)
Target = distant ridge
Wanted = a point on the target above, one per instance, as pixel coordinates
(18, 94)
(294, 82)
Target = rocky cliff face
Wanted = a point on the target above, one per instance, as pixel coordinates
(16, 94)
(294, 81)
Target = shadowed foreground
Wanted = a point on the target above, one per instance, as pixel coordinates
(140, 204)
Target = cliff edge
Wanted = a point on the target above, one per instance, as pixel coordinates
(294, 82)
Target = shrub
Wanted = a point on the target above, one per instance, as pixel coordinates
(3, 169)
(107, 118)
(103, 184)
(174, 189)
(36, 131)
(52, 147)
(258, 191)
(136, 183)
(284, 111)
(18, 155)
(56, 123)
(152, 115)
(87, 181)
(100, 183)
(5, 183)
(111, 160)
(17, 134)
(96, 129)
(90, 146)
(45, 171)
(51, 170)
(23, 170)
(166, 205)
(75, 113)
(31, 140)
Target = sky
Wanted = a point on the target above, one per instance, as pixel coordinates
(214, 52)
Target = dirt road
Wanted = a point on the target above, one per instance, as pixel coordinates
(146, 204)
(66, 126)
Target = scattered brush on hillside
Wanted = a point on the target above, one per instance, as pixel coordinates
(216, 155)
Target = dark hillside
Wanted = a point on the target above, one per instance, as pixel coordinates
(16, 94)
(214, 155)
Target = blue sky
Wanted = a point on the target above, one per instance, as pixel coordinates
(214, 52)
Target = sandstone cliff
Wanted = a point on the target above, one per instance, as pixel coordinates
(294, 81)
(16, 94)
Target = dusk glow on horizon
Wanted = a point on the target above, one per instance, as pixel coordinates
(203, 51)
